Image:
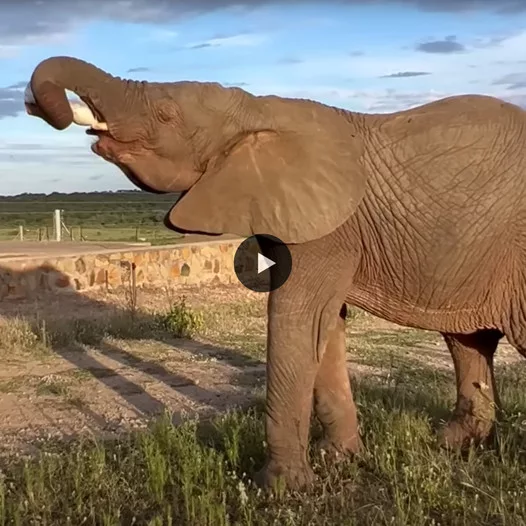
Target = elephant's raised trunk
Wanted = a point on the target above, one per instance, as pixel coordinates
(53, 76)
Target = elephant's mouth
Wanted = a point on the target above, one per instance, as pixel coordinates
(105, 145)
(118, 154)
(102, 145)
(112, 150)
(97, 133)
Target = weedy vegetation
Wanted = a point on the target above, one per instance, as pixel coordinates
(199, 473)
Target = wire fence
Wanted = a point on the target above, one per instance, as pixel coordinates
(130, 224)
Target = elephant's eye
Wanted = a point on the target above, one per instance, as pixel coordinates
(167, 113)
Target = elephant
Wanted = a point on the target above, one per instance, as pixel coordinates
(417, 217)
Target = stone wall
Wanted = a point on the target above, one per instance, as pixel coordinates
(210, 262)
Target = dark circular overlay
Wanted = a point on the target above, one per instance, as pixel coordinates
(262, 263)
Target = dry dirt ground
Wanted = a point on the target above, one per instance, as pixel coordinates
(68, 377)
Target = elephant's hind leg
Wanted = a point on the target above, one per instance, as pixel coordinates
(333, 399)
(477, 399)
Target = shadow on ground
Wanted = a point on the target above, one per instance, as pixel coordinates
(60, 319)
(70, 335)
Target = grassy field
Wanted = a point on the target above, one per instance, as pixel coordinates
(98, 216)
(198, 472)
(156, 235)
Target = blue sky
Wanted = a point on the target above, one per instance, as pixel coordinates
(374, 58)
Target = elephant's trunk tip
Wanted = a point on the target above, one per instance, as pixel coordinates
(82, 115)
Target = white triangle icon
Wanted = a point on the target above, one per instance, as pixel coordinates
(264, 263)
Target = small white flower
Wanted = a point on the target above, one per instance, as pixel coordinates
(243, 497)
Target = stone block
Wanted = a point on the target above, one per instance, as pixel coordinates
(80, 266)
(114, 277)
(102, 261)
(100, 276)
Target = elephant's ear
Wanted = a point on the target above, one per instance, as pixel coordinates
(296, 187)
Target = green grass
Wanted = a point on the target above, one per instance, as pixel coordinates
(156, 235)
(103, 216)
(240, 326)
(38, 337)
(199, 473)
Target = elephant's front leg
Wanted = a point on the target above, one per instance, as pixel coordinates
(477, 398)
(297, 321)
(333, 399)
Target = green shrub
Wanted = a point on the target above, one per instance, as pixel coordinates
(182, 321)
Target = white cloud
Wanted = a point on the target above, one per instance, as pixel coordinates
(163, 35)
(238, 40)
(241, 40)
(9, 51)
(387, 101)
(371, 101)
(379, 100)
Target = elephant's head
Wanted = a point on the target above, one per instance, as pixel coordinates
(245, 164)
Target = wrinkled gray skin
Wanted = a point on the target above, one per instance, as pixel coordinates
(418, 217)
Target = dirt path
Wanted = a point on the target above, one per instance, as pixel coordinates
(106, 391)
(116, 384)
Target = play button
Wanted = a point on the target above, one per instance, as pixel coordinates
(262, 263)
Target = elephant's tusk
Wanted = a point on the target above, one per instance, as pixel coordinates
(82, 115)
(29, 98)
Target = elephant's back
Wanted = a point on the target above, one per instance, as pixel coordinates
(444, 214)
(454, 133)
(458, 110)
(459, 156)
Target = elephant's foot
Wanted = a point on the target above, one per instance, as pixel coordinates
(338, 448)
(477, 399)
(295, 477)
(462, 432)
